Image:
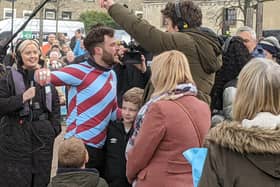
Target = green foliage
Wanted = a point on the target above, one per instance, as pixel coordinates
(90, 18)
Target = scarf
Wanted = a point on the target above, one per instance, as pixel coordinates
(180, 91)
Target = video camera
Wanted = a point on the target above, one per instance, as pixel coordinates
(133, 55)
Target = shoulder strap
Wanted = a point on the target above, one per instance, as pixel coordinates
(19, 87)
(18, 81)
(193, 122)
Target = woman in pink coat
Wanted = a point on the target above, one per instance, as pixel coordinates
(171, 122)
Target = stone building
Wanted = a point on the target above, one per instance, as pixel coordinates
(64, 9)
(271, 12)
(217, 14)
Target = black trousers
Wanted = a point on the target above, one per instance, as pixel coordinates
(26, 153)
(96, 159)
(42, 155)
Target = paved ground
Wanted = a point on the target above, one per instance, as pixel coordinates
(56, 144)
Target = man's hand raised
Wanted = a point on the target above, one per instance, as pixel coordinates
(43, 76)
(106, 3)
(142, 67)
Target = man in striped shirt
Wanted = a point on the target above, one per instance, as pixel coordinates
(92, 99)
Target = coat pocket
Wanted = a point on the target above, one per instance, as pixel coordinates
(178, 167)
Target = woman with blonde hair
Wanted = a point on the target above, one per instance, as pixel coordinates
(29, 122)
(246, 152)
(172, 121)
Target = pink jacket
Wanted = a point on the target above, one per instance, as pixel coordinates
(156, 158)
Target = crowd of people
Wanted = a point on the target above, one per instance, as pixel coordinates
(128, 124)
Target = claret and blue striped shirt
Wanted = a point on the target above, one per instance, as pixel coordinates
(92, 100)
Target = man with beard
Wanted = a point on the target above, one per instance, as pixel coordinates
(92, 100)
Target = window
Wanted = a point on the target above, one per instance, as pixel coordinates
(26, 13)
(50, 14)
(230, 16)
(139, 14)
(66, 15)
(8, 13)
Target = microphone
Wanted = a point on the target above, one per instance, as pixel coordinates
(30, 76)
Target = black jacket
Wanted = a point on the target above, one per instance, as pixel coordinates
(129, 76)
(115, 165)
(26, 141)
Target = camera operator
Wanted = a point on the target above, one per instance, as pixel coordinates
(29, 122)
(131, 71)
(184, 33)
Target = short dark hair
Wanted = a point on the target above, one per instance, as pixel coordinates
(190, 12)
(96, 36)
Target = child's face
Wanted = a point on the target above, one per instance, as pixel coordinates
(129, 112)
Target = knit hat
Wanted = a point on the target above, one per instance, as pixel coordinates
(270, 44)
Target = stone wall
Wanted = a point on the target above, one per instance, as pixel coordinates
(212, 13)
(76, 7)
(212, 10)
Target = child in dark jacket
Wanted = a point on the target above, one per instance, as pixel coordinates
(117, 137)
(72, 157)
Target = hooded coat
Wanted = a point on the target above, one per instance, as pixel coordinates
(73, 177)
(242, 157)
(200, 45)
(26, 146)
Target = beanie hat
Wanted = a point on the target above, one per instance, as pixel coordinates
(270, 44)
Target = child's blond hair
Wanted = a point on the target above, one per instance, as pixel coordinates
(134, 95)
(72, 153)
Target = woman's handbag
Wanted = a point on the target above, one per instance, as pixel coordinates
(195, 156)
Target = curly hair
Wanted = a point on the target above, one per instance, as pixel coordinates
(96, 36)
(191, 13)
(235, 58)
